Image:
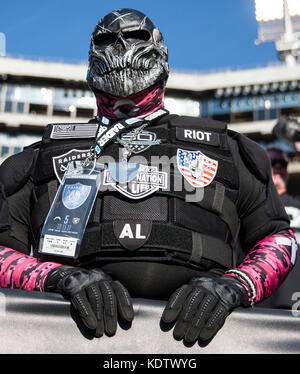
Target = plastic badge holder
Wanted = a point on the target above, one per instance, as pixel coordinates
(66, 221)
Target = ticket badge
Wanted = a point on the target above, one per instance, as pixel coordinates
(66, 221)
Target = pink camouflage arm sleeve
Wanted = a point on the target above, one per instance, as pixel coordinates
(266, 266)
(22, 271)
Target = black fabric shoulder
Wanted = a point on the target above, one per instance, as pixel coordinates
(254, 156)
(16, 170)
(261, 210)
(195, 122)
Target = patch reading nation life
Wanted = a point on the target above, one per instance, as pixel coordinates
(146, 181)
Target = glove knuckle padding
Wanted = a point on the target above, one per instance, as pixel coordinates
(192, 303)
(175, 304)
(95, 299)
(123, 301)
(108, 297)
(217, 316)
(79, 302)
(207, 305)
(82, 306)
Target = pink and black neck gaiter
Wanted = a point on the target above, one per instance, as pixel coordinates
(137, 105)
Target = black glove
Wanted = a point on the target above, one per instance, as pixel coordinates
(201, 307)
(96, 298)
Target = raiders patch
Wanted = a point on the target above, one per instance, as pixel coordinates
(146, 181)
(198, 136)
(60, 163)
(132, 234)
(198, 169)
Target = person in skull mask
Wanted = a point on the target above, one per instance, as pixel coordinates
(145, 237)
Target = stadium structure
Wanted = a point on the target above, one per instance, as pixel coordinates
(35, 92)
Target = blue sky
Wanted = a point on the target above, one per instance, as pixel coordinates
(200, 34)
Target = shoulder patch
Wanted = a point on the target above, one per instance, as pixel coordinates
(203, 136)
(69, 131)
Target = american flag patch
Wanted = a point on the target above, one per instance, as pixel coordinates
(198, 169)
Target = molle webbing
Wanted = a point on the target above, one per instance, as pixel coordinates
(161, 209)
(164, 239)
(214, 200)
(177, 227)
(214, 210)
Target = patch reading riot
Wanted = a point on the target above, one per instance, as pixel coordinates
(60, 163)
(198, 169)
(198, 136)
(132, 234)
(147, 181)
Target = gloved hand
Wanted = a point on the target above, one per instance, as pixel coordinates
(95, 296)
(201, 307)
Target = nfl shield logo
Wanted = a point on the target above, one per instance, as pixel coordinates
(198, 169)
(74, 195)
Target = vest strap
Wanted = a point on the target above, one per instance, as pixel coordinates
(163, 238)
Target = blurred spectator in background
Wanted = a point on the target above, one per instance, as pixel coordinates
(287, 130)
(279, 161)
(283, 297)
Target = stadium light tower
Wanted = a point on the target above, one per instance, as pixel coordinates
(279, 21)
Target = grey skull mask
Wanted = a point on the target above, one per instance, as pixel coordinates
(127, 54)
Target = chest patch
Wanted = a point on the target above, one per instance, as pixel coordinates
(141, 142)
(60, 163)
(132, 234)
(198, 169)
(147, 180)
(198, 136)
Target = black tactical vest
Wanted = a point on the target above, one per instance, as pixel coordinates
(182, 212)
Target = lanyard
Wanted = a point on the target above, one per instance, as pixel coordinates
(106, 134)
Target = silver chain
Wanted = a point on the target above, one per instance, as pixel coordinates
(127, 150)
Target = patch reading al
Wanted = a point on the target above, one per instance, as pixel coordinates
(60, 163)
(147, 181)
